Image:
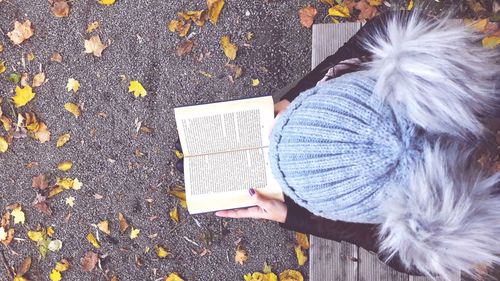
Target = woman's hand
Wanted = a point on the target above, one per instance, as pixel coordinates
(269, 209)
(280, 106)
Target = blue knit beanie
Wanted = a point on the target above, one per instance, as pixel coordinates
(337, 147)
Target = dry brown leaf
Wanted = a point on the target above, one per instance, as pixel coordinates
(104, 227)
(89, 261)
(236, 69)
(24, 79)
(59, 8)
(43, 207)
(21, 32)
(94, 46)
(42, 134)
(24, 267)
(301, 257)
(240, 256)
(307, 15)
(56, 57)
(184, 48)
(38, 79)
(214, 9)
(180, 26)
(302, 240)
(123, 222)
(93, 26)
(39, 182)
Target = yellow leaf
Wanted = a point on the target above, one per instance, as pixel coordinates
(259, 276)
(104, 227)
(30, 56)
(94, 46)
(255, 82)
(21, 32)
(38, 79)
(23, 96)
(174, 214)
(198, 17)
(477, 25)
(18, 215)
(229, 48)
(91, 238)
(491, 42)
(65, 183)
(36, 236)
(92, 26)
(19, 278)
(73, 108)
(267, 268)
(73, 85)
(302, 240)
(2, 67)
(65, 166)
(55, 275)
(63, 139)
(375, 2)
(62, 265)
(301, 257)
(50, 232)
(3, 145)
(174, 276)
(240, 256)
(214, 9)
(161, 252)
(136, 87)
(106, 2)
(179, 154)
(410, 5)
(291, 275)
(340, 10)
(55, 190)
(77, 184)
(70, 201)
(134, 232)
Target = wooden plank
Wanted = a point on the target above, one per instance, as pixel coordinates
(332, 261)
(372, 269)
(328, 38)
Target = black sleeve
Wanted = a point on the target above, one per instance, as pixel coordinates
(361, 234)
(351, 49)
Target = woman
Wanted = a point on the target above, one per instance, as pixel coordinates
(383, 157)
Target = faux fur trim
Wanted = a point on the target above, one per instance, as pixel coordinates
(434, 72)
(447, 219)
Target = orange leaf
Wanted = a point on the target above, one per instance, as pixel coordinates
(307, 15)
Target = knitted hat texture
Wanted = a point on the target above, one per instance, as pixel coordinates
(336, 148)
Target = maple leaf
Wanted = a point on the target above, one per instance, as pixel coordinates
(70, 201)
(23, 96)
(291, 275)
(94, 46)
(240, 256)
(39, 182)
(104, 227)
(307, 15)
(38, 79)
(73, 85)
(134, 232)
(136, 87)
(65, 166)
(229, 48)
(4, 145)
(73, 108)
(21, 32)
(174, 276)
(214, 9)
(59, 8)
(18, 215)
(91, 238)
(301, 257)
(63, 139)
(106, 2)
(89, 261)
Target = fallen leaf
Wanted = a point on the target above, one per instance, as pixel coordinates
(55, 245)
(89, 261)
(161, 252)
(267, 268)
(73, 85)
(339, 11)
(65, 166)
(39, 182)
(240, 256)
(18, 215)
(259, 276)
(181, 195)
(93, 26)
(306, 16)
(23, 96)
(30, 56)
(184, 48)
(94, 46)
(106, 2)
(36, 236)
(24, 79)
(3, 234)
(6, 122)
(3, 145)
(206, 74)
(174, 214)
(214, 9)
(178, 154)
(55, 275)
(70, 201)
(63, 139)
(59, 8)
(301, 257)
(302, 240)
(73, 108)
(410, 5)
(134, 232)
(2, 67)
(1, 46)
(237, 70)
(180, 26)
(24, 268)
(291, 275)
(38, 79)
(66, 183)
(229, 48)
(255, 82)
(137, 88)
(55, 190)
(91, 238)
(21, 32)
(50, 232)
(174, 276)
(62, 265)
(77, 184)
(123, 222)
(375, 2)
(42, 134)
(104, 227)
(10, 237)
(56, 57)
(198, 17)
(491, 42)
(14, 78)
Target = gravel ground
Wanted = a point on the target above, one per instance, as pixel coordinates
(104, 139)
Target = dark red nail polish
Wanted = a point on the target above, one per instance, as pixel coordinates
(251, 191)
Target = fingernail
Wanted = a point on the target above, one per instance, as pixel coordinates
(251, 191)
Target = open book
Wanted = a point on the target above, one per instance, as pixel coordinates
(225, 148)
